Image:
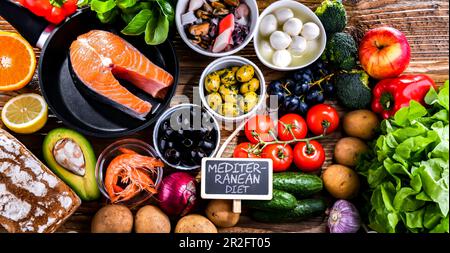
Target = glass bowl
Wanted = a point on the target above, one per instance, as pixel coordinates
(111, 152)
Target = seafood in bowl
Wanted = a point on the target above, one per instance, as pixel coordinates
(216, 28)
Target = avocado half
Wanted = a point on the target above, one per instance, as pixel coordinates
(85, 186)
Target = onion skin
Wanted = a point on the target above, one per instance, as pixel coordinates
(344, 218)
(177, 194)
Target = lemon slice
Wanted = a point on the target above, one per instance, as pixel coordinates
(25, 114)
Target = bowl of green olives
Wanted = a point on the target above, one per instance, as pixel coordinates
(232, 88)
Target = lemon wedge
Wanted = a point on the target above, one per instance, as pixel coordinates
(25, 114)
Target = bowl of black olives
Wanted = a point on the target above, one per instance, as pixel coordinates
(232, 88)
(184, 135)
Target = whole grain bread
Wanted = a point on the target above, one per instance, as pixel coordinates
(32, 198)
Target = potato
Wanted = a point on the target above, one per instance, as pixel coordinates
(361, 124)
(195, 223)
(348, 149)
(220, 212)
(150, 219)
(112, 219)
(341, 181)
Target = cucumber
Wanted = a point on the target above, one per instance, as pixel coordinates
(305, 208)
(299, 184)
(281, 201)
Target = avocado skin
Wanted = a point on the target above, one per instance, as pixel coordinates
(85, 187)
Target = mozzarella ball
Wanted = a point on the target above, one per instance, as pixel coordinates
(298, 45)
(284, 14)
(293, 26)
(310, 31)
(280, 40)
(281, 58)
(268, 25)
(266, 50)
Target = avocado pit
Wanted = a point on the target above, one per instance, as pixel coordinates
(68, 154)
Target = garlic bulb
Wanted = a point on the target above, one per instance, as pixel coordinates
(266, 50)
(195, 5)
(281, 58)
(268, 25)
(293, 26)
(284, 14)
(310, 31)
(280, 40)
(298, 45)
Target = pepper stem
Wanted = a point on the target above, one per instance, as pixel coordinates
(387, 101)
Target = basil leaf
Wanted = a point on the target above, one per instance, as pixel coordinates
(157, 30)
(138, 24)
(82, 3)
(103, 7)
(167, 10)
(123, 4)
(108, 17)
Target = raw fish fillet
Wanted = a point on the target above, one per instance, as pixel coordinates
(98, 57)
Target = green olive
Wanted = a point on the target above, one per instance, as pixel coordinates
(227, 91)
(248, 102)
(245, 73)
(221, 71)
(228, 78)
(214, 101)
(212, 82)
(230, 110)
(252, 85)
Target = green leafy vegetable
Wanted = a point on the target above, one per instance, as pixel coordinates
(152, 17)
(408, 169)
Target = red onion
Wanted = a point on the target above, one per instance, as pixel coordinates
(177, 194)
(344, 218)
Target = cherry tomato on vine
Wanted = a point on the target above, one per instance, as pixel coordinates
(322, 117)
(309, 157)
(293, 122)
(280, 154)
(243, 150)
(259, 128)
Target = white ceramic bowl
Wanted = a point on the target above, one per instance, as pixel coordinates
(181, 9)
(226, 62)
(306, 15)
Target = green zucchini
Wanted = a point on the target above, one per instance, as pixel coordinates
(299, 184)
(305, 208)
(281, 201)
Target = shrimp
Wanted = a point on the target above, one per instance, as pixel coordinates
(133, 170)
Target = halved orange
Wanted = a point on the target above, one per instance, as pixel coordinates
(17, 61)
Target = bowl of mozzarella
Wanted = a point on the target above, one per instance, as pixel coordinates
(289, 36)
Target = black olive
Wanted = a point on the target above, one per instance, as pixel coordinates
(197, 155)
(186, 158)
(165, 143)
(207, 145)
(172, 156)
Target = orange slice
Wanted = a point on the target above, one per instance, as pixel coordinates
(17, 61)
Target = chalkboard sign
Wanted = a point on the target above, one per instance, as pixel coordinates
(236, 178)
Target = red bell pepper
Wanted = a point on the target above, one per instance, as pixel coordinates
(390, 95)
(54, 11)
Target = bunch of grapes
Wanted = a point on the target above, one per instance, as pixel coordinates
(303, 89)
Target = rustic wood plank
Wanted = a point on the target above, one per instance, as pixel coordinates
(425, 23)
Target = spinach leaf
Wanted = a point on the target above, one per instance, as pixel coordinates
(138, 24)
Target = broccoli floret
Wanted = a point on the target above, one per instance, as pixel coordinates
(333, 16)
(341, 51)
(352, 89)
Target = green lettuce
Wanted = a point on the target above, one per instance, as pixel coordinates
(407, 169)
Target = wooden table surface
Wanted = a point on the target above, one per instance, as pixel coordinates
(425, 23)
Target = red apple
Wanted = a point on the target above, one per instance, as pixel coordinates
(384, 52)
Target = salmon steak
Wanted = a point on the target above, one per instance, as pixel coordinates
(98, 58)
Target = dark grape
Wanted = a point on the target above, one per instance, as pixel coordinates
(320, 98)
(291, 104)
(328, 89)
(301, 88)
(320, 69)
(275, 87)
(313, 97)
(303, 107)
(304, 74)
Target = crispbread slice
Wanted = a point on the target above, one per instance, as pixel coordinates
(32, 198)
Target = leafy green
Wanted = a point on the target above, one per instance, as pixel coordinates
(152, 17)
(407, 169)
